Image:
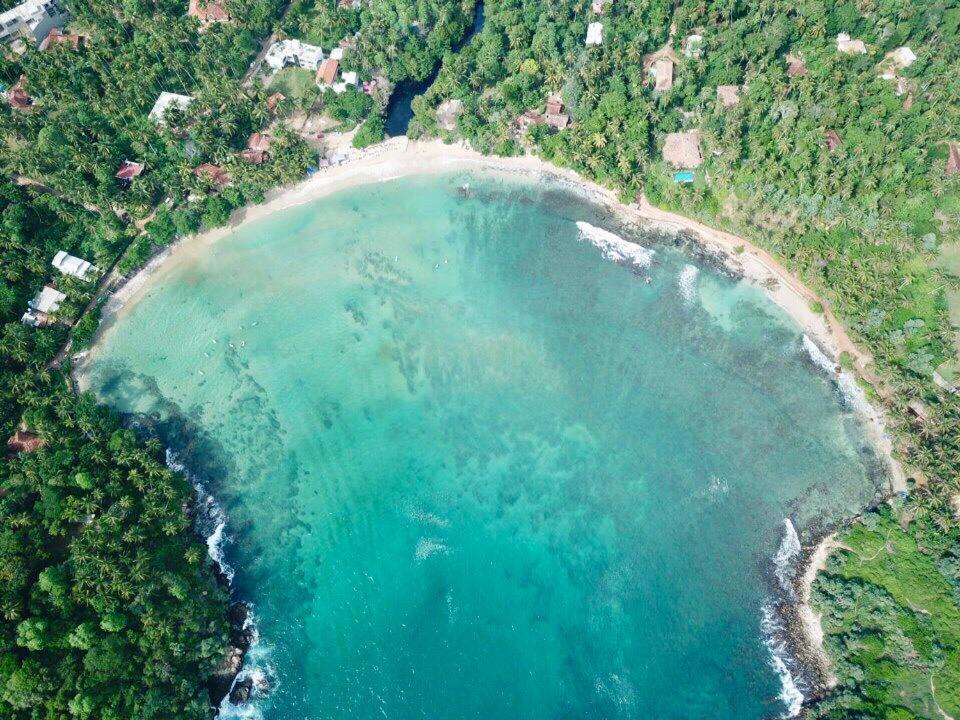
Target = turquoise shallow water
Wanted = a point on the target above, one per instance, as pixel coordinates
(473, 469)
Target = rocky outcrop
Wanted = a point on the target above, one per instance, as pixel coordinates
(241, 691)
(221, 682)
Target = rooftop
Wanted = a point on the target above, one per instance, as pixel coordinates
(72, 265)
(850, 47)
(166, 101)
(594, 34)
(59, 37)
(47, 300)
(209, 11)
(129, 170)
(682, 149)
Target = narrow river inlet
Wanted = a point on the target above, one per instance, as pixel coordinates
(482, 459)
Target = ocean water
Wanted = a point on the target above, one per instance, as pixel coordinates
(478, 455)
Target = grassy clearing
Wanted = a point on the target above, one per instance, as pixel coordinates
(890, 600)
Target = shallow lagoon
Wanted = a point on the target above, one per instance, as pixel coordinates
(475, 469)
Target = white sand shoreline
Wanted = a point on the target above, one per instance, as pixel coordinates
(398, 157)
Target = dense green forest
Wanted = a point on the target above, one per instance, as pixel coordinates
(110, 605)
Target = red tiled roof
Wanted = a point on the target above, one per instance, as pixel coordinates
(24, 442)
(129, 170)
(257, 157)
(18, 97)
(59, 37)
(554, 106)
(328, 71)
(274, 99)
(953, 159)
(209, 11)
(795, 66)
(832, 140)
(259, 141)
(214, 173)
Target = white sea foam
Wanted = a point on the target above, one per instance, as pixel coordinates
(212, 523)
(784, 562)
(846, 383)
(790, 694)
(258, 668)
(430, 546)
(687, 282)
(615, 247)
(428, 518)
(618, 689)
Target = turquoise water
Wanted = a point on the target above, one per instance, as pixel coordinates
(475, 469)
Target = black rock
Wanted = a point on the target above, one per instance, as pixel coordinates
(241, 691)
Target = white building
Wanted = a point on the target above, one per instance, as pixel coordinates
(902, 57)
(165, 102)
(693, 45)
(71, 265)
(293, 52)
(32, 20)
(595, 34)
(46, 302)
(850, 47)
(347, 79)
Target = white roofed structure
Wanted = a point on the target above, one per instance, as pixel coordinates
(165, 102)
(71, 265)
(850, 47)
(294, 52)
(32, 20)
(47, 300)
(595, 34)
(902, 57)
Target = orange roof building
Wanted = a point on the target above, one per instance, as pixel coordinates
(59, 37)
(209, 11)
(257, 147)
(275, 100)
(24, 442)
(327, 72)
(129, 170)
(831, 140)
(18, 97)
(214, 174)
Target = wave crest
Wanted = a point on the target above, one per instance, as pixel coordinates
(615, 247)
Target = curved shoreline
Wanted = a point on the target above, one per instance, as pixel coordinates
(400, 157)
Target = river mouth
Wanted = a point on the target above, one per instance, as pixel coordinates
(477, 454)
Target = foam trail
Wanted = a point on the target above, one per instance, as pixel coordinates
(212, 524)
(783, 561)
(256, 667)
(211, 519)
(780, 660)
(687, 282)
(846, 383)
(615, 247)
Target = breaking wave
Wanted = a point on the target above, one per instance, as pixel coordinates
(687, 282)
(782, 662)
(211, 522)
(784, 562)
(846, 383)
(615, 247)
